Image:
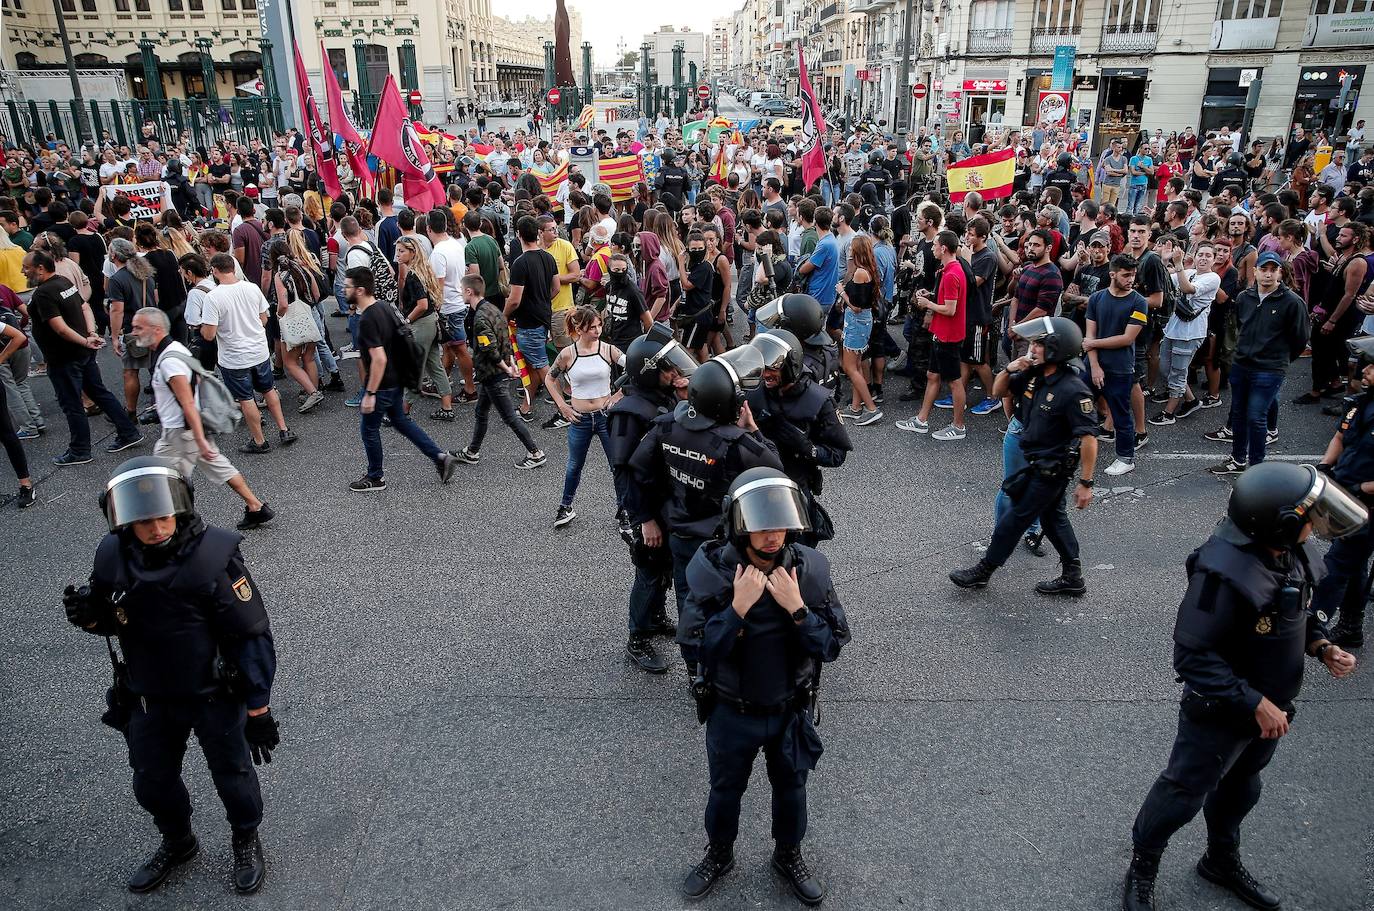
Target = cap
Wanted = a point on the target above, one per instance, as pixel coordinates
(1269, 257)
(1100, 237)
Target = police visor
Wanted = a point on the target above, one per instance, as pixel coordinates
(773, 348)
(768, 504)
(1361, 349)
(745, 366)
(672, 355)
(1333, 512)
(147, 492)
(770, 314)
(1034, 329)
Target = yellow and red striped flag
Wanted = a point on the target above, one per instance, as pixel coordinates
(620, 174)
(720, 168)
(549, 183)
(990, 175)
(587, 117)
(520, 363)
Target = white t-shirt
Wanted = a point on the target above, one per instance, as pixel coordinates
(110, 169)
(169, 413)
(449, 265)
(236, 309)
(195, 301)
(1205, 291)
(610, 224)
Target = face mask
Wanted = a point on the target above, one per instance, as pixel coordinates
(618, 279)
(696, 257)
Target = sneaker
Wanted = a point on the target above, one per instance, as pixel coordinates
(38, 370)
(148, 416)
(1120, 467)
(93, 410)
(1210, 401)
(1188, 408)
(429, 390)
(445, 415)
(466, 398)
(555, 422)
(914, 425)
(311, 401)
(26, 497)
(1223, 435)
(252, 448)
(526, 416)
(869, 417)
(1271, 437)
(1229, 467)
(1158, 397)
(367, 485)
(347, 353)
(912, 395)
(949, 433)
(468, 456)
(986, 406)
(355, 402)
(533, 460)
(29, 434)
(1163, 419)
(946, 402)
(286, 437)
(335, 384)
(252, 518)
(564, 516)
(1106, 436)
(121, 445)
(851, 413)
(877, 393)
(1141, 440)
(1308, 398)
(67, 458)
(447, 463)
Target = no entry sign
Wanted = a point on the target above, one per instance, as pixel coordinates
(414, 97)
(554, 96)
(703, 92)
(918, 91)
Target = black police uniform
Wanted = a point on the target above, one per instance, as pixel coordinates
(627, 422)
(1345, 585)
(1232, 177)
(1058, 410)
(683, 474)
(1242, 631)
(184, 625)
(760, 670)
(1064, 179)
(822, 363)
(803, 424)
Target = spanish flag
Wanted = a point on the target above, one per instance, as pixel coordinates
(989, 175)
(586, 118)
(620, 174)
(720, 168)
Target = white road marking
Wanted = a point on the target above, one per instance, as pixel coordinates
(1218, 456)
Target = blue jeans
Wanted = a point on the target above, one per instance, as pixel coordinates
(323, 356)
(1013, 460)
(1135, 197)
(342, 308)
(1253, 392)
(389, 404)
(69, 380)
(1116, 389)
(580, 435)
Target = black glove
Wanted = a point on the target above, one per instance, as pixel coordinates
(261, 733)
(85, 609)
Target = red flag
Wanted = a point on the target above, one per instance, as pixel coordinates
(394, 141)
(355, 149)
(811, 136)
(321, 146)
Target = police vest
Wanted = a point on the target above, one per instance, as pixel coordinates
(698, 470)
(172, 618)
(800, 409)
(627, 422)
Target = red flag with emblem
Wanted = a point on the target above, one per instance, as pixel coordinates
(355, 148)
(395, 142)
(321, 146)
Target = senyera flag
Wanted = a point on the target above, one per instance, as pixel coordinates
(586, 118)
(989, 175)
(809, 137)
(394, 141)
(549, 183)
(355, 148)
(321, 146)
(620, 174)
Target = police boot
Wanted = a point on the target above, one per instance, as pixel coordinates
(168, 856)
(249, 866)
(660, 625)
(1223, 867)
(790, 863)
(642, 652)
(1139, 892)
(719, 860)
(976, 576)
(1070, 581)
(1349, 629)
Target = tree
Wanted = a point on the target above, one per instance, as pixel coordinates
(630, 60)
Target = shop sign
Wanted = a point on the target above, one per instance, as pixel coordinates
(1339, 29)
(1062, 77)
(1247, 77)
(1085, 84)
(986, 86)
(1245, 34)
(1054, 107)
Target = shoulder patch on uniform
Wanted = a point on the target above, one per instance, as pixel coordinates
(243, 589)
(1351, 413)
(1085, 405)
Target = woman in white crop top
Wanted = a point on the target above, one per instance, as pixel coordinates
(586, 366)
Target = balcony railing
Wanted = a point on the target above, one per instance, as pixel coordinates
(1129, 39)
(989, 41)
(834, 56)
(829, 12)
(1045, 40)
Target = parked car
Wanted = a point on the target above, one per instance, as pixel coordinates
(627, 92)
(774, 107)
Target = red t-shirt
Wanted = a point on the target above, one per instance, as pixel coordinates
(953, 286)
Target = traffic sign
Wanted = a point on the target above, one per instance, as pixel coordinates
(703, 91)
(414, 98)
(918, 91)
(554, 96)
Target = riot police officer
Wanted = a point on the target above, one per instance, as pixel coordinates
(1233, 176)
(1349, 460)
(687, 460)
(799, 416)
(1064, 178)
(1060, 434)
(1242, 631)
(804, 317)
(197, 656)
(657, 370)
(766, 609)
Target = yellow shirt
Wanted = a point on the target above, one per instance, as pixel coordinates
(566, 257)
(11, 269)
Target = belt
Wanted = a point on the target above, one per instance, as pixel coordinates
(798, 702)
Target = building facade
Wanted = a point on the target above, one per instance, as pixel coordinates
(661, 44)
(718, 54)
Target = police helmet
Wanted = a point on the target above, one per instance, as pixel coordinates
(1064, 161)
(716, 390)
(146, 487)
(764, 499)
(1361, 350)
(800, 314)
(1235, 160)
(652, 352)
(1272, 501)
(1062, 338)
(782, 352)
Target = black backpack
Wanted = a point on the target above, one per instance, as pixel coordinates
(386, 291)
(404, 352)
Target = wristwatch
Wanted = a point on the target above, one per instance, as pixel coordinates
(799, 614)
(367, 392)
(1087, 482)
(1321, 650)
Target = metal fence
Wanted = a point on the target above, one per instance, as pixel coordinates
(238, 119)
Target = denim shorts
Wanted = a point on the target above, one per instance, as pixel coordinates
(532, 344)
(243, 381)
(858, 326)
(457, 327)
